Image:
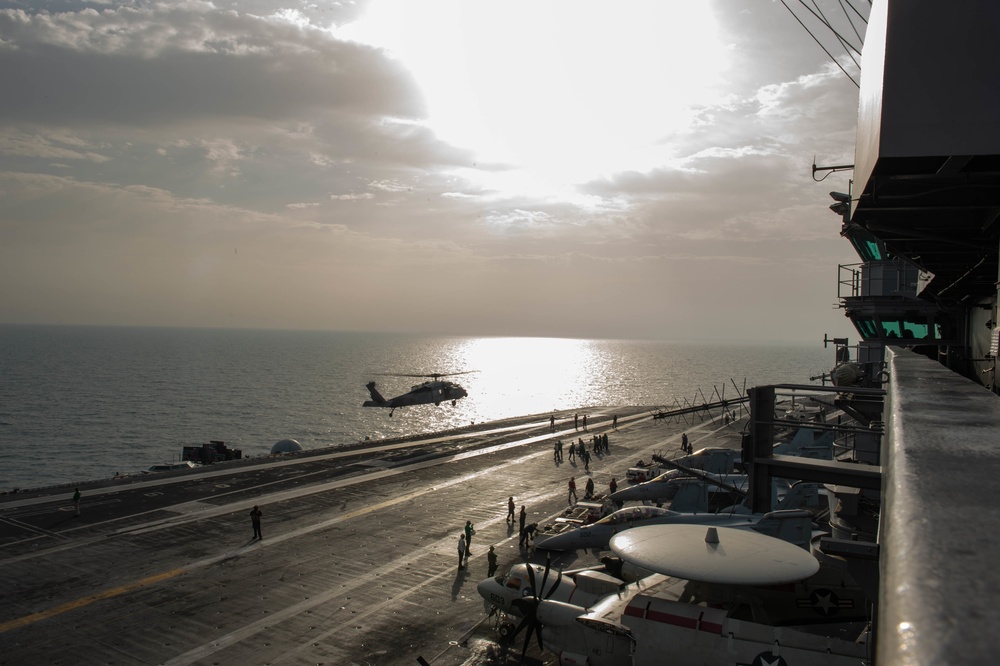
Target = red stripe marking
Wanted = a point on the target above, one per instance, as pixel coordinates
(685, 622)
(636, 611)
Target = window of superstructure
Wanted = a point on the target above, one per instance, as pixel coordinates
(866, 327)
(905, 329)
(867, 246)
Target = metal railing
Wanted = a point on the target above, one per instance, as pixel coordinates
(939, 524)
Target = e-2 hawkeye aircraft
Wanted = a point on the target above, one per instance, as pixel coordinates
(715, 595)
(506, 592)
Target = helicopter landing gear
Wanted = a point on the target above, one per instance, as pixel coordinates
(454, 402)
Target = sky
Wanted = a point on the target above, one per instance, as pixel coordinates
(556, 168)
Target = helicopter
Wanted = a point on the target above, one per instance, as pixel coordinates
(434, 391)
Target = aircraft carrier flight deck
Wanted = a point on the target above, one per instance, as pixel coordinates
(358, 558)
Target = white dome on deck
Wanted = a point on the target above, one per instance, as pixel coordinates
(286, 446)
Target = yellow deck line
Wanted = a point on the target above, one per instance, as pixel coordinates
(85, 601)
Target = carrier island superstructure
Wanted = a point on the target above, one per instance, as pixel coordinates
(917, 518)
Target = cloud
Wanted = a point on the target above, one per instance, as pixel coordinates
(47, 145)
(174, 64)
(242, 163)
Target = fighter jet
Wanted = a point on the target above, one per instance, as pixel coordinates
(791, 524)
(711, 459)
(664, 487)
(676, 487)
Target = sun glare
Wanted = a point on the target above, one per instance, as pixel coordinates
(565, 89)
(526, 372)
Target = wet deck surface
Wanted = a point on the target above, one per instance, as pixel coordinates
(357, 565)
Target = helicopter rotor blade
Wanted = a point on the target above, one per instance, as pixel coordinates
(428, 375)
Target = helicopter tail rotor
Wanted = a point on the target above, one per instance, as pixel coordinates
(376, 396)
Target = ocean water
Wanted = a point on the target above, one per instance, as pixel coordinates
(85, 403)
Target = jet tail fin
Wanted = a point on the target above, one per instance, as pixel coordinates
(691, 497)
(808, 443)
(792, 526)
(802, 495)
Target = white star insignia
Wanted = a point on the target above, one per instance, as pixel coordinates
(825, 602)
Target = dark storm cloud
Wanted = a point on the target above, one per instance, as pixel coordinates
(125, 68)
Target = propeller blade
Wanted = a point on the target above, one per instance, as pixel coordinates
(545, 576)
(549, 594)
(527, 639)
(529, 607)
(525, 621)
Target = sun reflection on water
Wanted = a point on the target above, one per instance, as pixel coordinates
(531, 374)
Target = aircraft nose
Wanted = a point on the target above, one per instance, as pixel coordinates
(550, 542)
(626, 495)
(486, 588)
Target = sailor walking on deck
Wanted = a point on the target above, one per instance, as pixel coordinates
(76, 502)
(510, 509)
(255, 514)
(461, 550)
(491, 558)
(572, 491)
